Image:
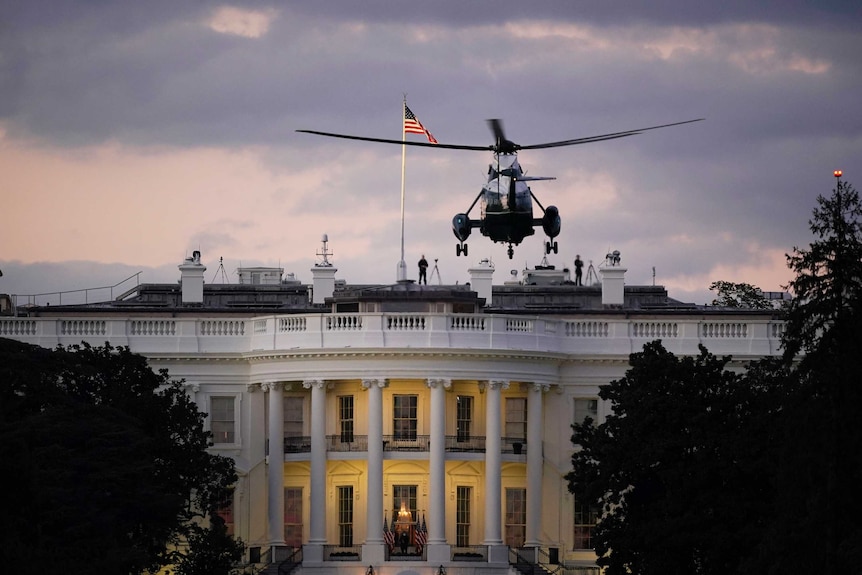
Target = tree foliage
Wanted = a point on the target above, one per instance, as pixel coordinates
(110, 459)
(681, 488)
(702, 470)
(739, 295)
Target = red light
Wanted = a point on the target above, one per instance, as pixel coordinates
(837, 173)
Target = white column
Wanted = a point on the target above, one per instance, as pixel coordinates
(317, 534)
(438, 550)
(534, 464)
(493, 460)
(275, 471)
(373, 550)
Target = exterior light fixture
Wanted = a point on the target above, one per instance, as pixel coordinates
(837, 173)
(370, 570)
(441, 570)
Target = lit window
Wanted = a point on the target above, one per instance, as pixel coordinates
(464, 417)
(462, 516)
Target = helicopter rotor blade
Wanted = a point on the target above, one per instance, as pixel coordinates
(603, 137)
(400, 142)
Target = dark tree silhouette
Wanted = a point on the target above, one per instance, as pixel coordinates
(110, 462)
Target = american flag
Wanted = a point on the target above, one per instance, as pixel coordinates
(388, 536)
(421, 536)
(412, 125)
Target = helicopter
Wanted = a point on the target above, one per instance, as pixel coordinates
(506, 200)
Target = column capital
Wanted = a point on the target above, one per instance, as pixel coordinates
(368, 382)
(540, 387)
(498, 384)
(311, 383)
(193, 387)
(433, 382)
(252, 387)
(272, 386)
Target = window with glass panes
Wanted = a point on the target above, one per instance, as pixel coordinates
(293, 516)
(586, 516)
(345, 418)
(463, 417)
(404, 416)
(462, 516)
(293, 407)
(345, 516)
(222, 419)
(516, 417)
(225, 511)
(587, 408)
(404, 502)
(516, 517)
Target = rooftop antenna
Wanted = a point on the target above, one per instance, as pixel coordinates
(653, 275)
(220, 272)
(325, 253)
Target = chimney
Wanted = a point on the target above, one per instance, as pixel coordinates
(481, 280)
(613, 281)
(323, 275)
(192, 279)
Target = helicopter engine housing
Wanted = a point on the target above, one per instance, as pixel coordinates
(461, 227)
(551, 221)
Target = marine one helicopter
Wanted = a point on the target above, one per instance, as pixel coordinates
(506, 201)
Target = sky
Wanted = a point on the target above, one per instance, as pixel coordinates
(133, 133)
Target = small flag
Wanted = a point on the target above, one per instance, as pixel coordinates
(388, 536)
(421, 536)
(412, 125)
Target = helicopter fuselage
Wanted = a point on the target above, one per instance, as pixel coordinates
(506, 206)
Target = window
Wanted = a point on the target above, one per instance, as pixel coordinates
(345, 516)
(586, 408)
(345, 418)
(293, 516)
(225, 511)
(293, 407)
(516, 517)
(586, 516)
(463, 417)
(223, 419)
(404, 422)
(516, 418)
(462, 516)
(404, 505)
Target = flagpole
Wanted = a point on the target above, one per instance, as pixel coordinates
(402, 266)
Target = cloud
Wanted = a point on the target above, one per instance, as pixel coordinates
(239, 22)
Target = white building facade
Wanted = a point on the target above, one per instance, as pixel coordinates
(401, 428)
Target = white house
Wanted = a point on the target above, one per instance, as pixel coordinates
(362, 418)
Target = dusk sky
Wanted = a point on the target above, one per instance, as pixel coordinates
(132, 133)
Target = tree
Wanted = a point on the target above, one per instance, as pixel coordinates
(816, 525)
(111, 463)
(739, 295)
(681, 486)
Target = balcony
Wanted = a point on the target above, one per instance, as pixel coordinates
(594, 334)
(352, 443)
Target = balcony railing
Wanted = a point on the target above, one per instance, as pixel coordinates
(344, 443)
(602, 335)
(405, 442)
(340, 553)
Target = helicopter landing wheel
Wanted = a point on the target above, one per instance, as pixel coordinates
(460, 249)
(511, 252)
(554, 247)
